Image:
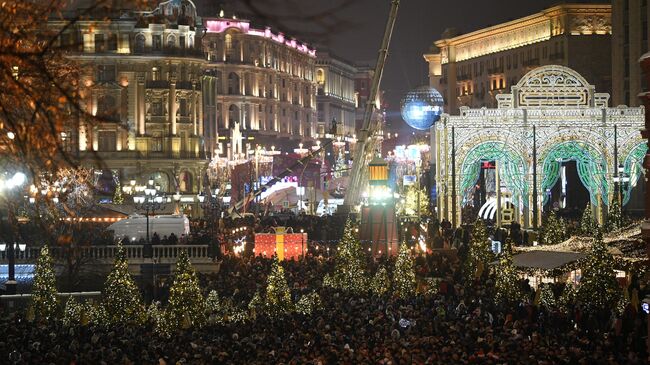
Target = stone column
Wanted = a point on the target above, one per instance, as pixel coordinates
(194, 101)
(172, 104)
(140, 104)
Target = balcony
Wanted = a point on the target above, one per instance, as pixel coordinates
(170, 52)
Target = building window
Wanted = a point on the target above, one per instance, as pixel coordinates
(156, 142)
(139, 43)
(107, 107)
(100, 46)
(233, 84)
(233, 115)
(181, 42)
(155, 73)
(157, 42)
(106, 141)
(182, 107)
(157, 107)
(171, 41)
(112, 42)
(106, 73)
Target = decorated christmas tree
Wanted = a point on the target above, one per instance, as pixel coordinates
(547, 297)
(214, 310)
(186, 306)
(349, 274)
(380, 284)
(278, 298)
(404, 274)
(256, 305)
(122, 299)
(118, 198)
(598, 289)
(554, 230)
(615, 219)
(568, 298)
(587, 223)
(72, 312)
(44, 303)
(507, 289)
(309, 303)
(480, 252)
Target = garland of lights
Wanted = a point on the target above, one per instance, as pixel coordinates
(44, 302)
(404, 274)
(480, 253)
(380, 284)
(186, 306)
(278, 298)
(349, 274)
(122, 300)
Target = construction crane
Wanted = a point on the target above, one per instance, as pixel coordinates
(367, 138)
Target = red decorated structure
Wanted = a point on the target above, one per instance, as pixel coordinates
(287, 245)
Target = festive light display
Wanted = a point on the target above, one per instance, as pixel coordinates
(507, 290)
(349, 274)
(380, 284)
(256, 305)
(404, 274)
(118, 198)
(554, 229)
(480, 253)
(598, 289)
(587, 223)
(72, 313)
(186, 306)
(568, 298)
(278, 298)
(411, 203)
(309, 303)
(422, 107)
(615, 218)
(547, 297)
(44, 302)
(122, 299)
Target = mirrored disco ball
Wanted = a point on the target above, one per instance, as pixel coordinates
(421, 108)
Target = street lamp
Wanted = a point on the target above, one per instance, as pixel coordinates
(211, 208)
(16, 181)
(150, 202)
(620, 179)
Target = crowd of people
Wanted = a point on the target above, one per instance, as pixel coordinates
(456, 322)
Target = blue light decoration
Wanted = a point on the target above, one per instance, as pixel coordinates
(421, 108)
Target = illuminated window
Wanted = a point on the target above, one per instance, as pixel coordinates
(139, 43)
(320, 76)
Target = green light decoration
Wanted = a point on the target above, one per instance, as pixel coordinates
(633, 168)
(615, 218)
(350, 270)
(186, 307)
(44, 303)
(404, 273)
(480, 252)
(547, 297)
(380, 284)
(122, 299)
(278, 297)
(599, 290)
(512, 169)
(588, 224)
(591, 165)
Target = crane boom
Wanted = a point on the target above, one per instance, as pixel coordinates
(365, 142)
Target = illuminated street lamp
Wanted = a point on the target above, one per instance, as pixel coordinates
(15, 182)
(150, 202)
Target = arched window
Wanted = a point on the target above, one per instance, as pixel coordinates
(185, 182)
(233, 84)
(233, 115)
(171, 41)
(320, 76)
(139, 43)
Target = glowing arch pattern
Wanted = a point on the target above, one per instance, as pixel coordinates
(512, 169)
(633, 167)
(591, 164)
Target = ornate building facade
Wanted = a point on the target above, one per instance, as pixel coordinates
(472, 69)
(264, 88)
(337, 98)
(142, 75)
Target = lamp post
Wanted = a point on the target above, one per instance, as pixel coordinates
(302, 242)
(212, 208)
(150, 202)
(15, 182)
(620, 180)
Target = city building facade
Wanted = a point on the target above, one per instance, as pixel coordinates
(473, 68)
(142, 76)
(336, 98)
(264, 88)
(629, 42)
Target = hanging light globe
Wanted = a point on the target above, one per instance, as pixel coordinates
(421, 108)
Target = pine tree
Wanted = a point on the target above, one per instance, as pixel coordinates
(547, 297)
(186, 306)
(554, 230)
(44, 302)
(349, 274)
(278, 297)
(118, 198)
(587, 224)
(615, 219)
(122, 299)
(380, 284)
(72, 313)
(507, 290)
(568, 298)
(404, 274)
(480, 253)
(309, 303)
(256, 305)
(214, 309)
(598, 289)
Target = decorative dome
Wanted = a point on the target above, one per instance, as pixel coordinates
(178, 11)
(421, 108)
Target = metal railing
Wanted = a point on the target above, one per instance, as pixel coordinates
(134, 253)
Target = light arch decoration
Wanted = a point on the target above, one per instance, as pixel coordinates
(633, 168)
(591, 165)
(511, 164)
(552, 113)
